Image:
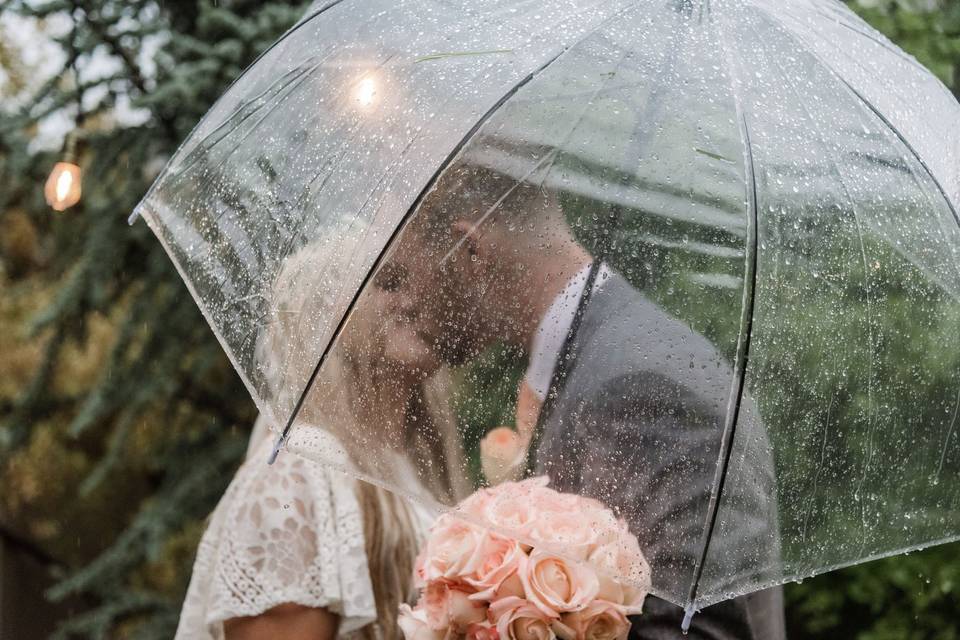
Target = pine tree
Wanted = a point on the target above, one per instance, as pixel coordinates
(121, 419)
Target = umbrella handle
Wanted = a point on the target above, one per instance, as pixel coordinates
(687, 618)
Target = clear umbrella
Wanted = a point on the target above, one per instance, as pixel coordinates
(700, 258)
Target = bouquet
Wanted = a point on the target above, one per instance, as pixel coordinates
(480, 585)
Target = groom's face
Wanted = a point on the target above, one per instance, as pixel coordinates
(459, 265)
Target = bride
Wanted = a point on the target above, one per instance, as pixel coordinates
(298, 549)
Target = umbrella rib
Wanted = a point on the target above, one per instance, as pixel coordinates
(393, 236)
(802, 41)
(926, 169)
(871, 424)
(229, 125)
(740, 367)
(726, 453)
(913, 152)
(743, 344)
(559, 378)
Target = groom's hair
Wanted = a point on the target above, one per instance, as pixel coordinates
(493, 178)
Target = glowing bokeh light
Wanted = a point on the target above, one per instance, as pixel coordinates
(366, 92)
(62, 189)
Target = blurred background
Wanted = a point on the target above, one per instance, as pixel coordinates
(121, 421)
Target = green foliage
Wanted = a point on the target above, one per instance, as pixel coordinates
(911, 597)
(486, 398)
(129, 385)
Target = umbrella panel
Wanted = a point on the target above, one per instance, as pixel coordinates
(626, 151)
(854, 360)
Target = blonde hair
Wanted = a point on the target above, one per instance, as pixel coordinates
(301, 307)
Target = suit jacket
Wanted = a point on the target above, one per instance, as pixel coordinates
(635, 419)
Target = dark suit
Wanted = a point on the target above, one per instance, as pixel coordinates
(636, 420)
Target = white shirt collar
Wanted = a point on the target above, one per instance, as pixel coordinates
(553, 328)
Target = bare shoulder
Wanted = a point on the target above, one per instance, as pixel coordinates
(285, 622)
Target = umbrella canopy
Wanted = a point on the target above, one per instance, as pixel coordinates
(718, 242)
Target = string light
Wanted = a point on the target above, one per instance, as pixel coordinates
(63, 188)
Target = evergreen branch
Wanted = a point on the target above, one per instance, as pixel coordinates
(16, 429)
(115, 444)
(99, 623)
(110, 388)
(135, 75)
(183, 490)
(133, 69)
(67, 303)
(29, 548)
(162, 355)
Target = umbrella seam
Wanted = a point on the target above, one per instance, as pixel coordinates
(926, 169)
(879, 39)
(893, 129)
(389, 244)
(913, 152)
(564, 365)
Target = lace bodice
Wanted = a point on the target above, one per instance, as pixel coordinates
(291, 532)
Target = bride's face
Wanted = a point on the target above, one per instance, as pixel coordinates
(383, 328)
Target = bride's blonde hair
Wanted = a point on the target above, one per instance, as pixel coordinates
(302, 306)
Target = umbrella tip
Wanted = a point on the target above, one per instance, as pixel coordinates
(276, 450)
(687, 619)
(133, 216)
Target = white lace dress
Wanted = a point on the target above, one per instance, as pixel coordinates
(291, 532)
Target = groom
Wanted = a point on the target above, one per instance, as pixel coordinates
(628, 402)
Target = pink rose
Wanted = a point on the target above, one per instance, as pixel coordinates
(599, 620)
(517, 619)
(502, 454)
(574, 531)
(618, 561)
(475, 504)
(550, 500)
(556, 585)
(633, 597)
(448, 606)
(513, 506)
(523, 487)
(420, 570)
(413, 624)
(511, 587)
(451, 549)
(497, 558)
(483, 631)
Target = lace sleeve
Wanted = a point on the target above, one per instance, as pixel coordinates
(291, 532)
